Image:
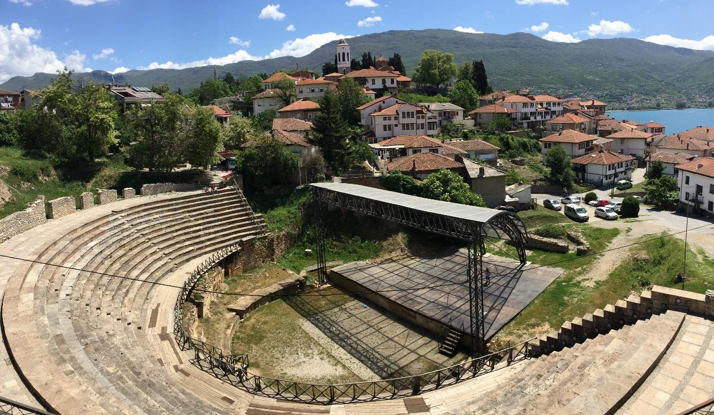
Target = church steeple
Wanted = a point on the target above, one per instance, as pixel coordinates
(343, 57)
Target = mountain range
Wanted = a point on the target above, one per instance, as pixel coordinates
(620, 71)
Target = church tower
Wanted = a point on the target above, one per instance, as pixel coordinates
(343, 57)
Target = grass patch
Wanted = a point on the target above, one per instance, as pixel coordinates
(536, 218)
(551, 231)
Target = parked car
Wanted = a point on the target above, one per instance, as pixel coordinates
(605, 213)
(552, 204)
(616, 206)
(602, 202)
(576, 213)
(623, 184)
(594, 202)
(570, 200)
(639, 198)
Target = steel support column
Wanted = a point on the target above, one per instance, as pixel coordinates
(320, 241)
(476, 250)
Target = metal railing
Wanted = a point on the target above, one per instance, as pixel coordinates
(233, 369)
(8, 406)
(704, 408)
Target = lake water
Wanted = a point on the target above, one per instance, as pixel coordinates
(676, 121)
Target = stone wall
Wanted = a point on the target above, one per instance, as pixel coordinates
(128, 193)
(106, 196)
(582, 246)
(157, 189)
(256, 252)
(546, 244)
(19, 222)
(61, 207)
(86, 200)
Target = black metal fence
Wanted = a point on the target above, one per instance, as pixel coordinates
(704, 408)
(8, 406)
(233, 369)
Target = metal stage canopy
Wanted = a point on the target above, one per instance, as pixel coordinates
(469, 223)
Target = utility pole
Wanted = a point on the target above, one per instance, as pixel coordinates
(686, 234)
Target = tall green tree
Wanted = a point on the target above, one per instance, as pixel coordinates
(396, 181)
(464, 95)
(329, 67)
(480, 79)
(561, 167)
(264, 120)
(209, 90)
(8, 128)
(654, 170)
(350, 96)
(286, 88)
(435, 68)
(266, 164)
(396, 62)
(161, 89)
(94, 113)
(203, 138)
(239, 131)
(331, 132)
(450, 187)
(466, 73)
(367, 60)
(160, 132)
(662, 192)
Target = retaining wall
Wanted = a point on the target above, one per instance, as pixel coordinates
(19, 222)
(61, 207)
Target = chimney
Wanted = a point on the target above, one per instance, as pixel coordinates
(699, 166)
(481, 171)
(687, 146)
(414, 164)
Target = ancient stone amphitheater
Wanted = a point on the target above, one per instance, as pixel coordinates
(88, 305)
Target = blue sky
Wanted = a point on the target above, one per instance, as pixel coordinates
(117, 35)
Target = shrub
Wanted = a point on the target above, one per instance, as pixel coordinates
(551, 231)
(590, 197)
(630, 207)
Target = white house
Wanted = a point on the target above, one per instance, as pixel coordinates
(533, 110)
(679, 144)
(375, 79)
(406, 145)
(445, 111)
(486, 114)
(403, 119)
(313, 89)
(696, 185)
(477, 149)
(630, 141)
(267, 100)
(273, 80)
(376, 105)
(604, 167)
(574, 142)
(669, 160)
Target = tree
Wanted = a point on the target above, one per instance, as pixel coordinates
(630, 207)
(328, 68)
(239, 131)
(480, 80)
(367, 60)
(286, 91)
(209, 90)
(231, 81)
(500, 123)
(359, 152)
(355, 65)
(161, 89)
(8, 128)
(264, 120)
(161, 134)
(266, 164)
(350, 96)
(330, 132)
(590, 196)
(466, 73)
(450, 187)
(654, 170)
(204, 138)
(93, 114)
(561, 167)
(396, 62)
(464, 95)
(398, 182)
(435, 68)
(662, 193)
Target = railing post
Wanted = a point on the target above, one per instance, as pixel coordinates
(416, 385)
(332, 393)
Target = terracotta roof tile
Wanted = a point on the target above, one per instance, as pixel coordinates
(375, 101)
(700, 165)
(318, 81)
(630, 133)
(473, 145)
(677, 142)
(424, 162)
(219, 111)
(568, 118)
(516, 98)
(303, 105)
(278, 76)
(6, 92)
(447, 149)
(653, 124)
(291, 124)
(411, 141)
(496, 95)
(372, 73)
(493, 109)
(592, 103)
(268, 93)
(602, 158)
(568, 136)
(699, 133)
(669, 158)
(546, 98)
(290, 138)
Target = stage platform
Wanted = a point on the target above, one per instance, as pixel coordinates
(433, 292)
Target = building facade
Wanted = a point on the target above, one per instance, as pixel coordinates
(573, 142)
(696, 185)
(603, 168)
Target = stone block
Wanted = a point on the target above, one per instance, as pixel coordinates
(61, 207)
(128, 193)
(107, 196)
(18, 222)
(157, 189)
(86, 200)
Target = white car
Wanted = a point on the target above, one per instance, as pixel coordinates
(605, 213)
(616, 206)
(570, 200)
(594, 202)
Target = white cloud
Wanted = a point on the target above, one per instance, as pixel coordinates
(361, 3)
(105, 54)
(705, 44)
(238, 56)
(271, 12)
(607, 27)
(120, 69)
(533, 2)
(538, 27)
(290, 28)
(19, 55)
(560, 37)
(235, 41)
(302, 46)
(369, 22)
(467, 30)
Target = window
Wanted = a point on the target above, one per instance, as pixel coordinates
(686, 195)
(421, 126)
(392, 81)
(372, 81)
(711, 188)
(622, 141)
(432, 126)
(300, 91)
(436, 151)
(322, 89)
(711, 206)
(686, 179)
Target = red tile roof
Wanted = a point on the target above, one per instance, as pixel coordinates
(290, 138)
(568, 136)
(375, 101)
(653, 124)
(394, 108)
(411, 141)
(496, 95)
(402, 78)
(546, 98)
(303, 105)
(372, 73)
(278, 76)
(592, 103)
(473, 145)
(447, 149)
(6, 92)
(423, 162)
(699, 133)
(669, 158)
(630, 133)
(516, 98)
(318, 81)
(604, 158)
(291, 124)
(568, 118)
(678, 142)
(219, 111)
(493, 109)
(700, 165)
(268, 93)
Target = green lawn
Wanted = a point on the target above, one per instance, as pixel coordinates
(542, 216)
